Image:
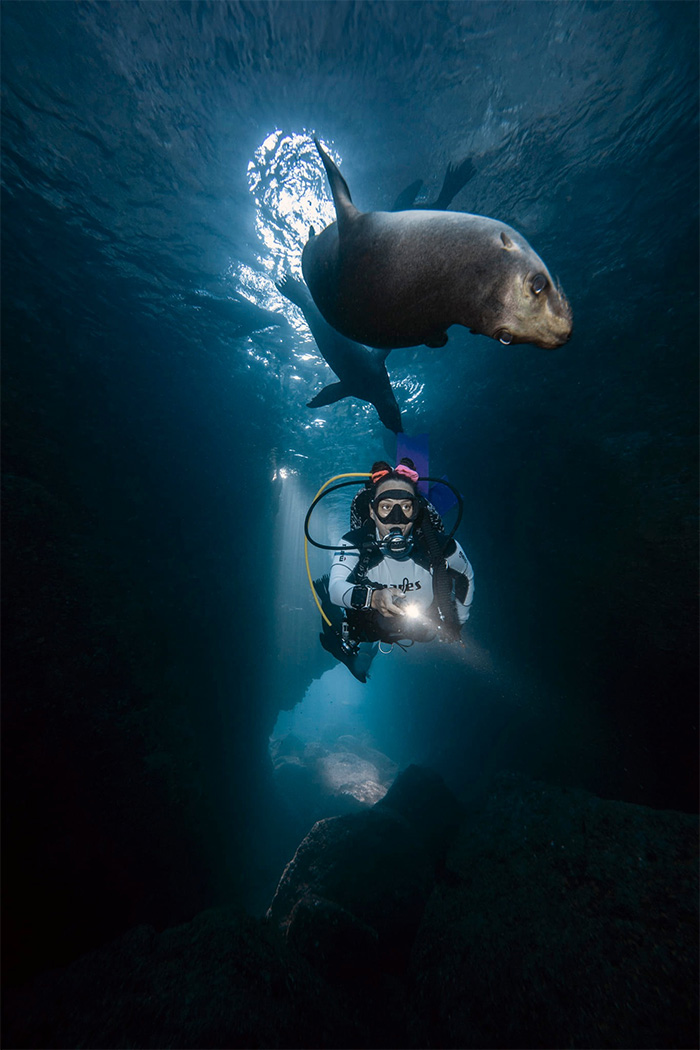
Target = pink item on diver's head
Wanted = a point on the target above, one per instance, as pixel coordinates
(406, 472)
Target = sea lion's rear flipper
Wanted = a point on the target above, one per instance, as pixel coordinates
(381, 395)
(406, 199)
(344, 208)
(294, 290)
(456, 178)
(329, 395)
(388, 411)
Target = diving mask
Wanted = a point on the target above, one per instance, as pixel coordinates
(396, 515)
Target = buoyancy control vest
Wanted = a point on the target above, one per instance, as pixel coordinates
(430, 551)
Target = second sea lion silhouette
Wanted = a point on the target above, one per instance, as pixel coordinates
(456, 178)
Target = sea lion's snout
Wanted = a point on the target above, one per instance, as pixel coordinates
(560, 318)
(535, 311)
(558, 333)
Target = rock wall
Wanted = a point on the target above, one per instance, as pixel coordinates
(561, 919)
(543, 918)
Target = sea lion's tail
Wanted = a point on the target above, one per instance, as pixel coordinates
(344, 208)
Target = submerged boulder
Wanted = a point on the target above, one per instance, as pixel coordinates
(420, 797)
(545, 918)
(347, 774)
(222, 980)
(357, 885)
(316, 780)
(561, 919)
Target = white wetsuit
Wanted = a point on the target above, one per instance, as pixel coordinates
(413, 579)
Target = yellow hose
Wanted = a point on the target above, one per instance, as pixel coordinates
(306, 542)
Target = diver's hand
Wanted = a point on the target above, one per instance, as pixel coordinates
(383, 601)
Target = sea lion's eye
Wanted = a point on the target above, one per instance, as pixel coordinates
(504, 337)
(539, 283)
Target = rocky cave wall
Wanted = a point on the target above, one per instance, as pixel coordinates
(132, 716)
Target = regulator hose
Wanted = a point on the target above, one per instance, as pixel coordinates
(307, 539)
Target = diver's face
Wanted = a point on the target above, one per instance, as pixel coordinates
(386, 506)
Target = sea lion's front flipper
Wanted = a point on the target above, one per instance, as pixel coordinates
(329, 395)
(344, 208)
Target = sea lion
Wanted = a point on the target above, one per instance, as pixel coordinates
(241, 316)
(391, 279)
(456, 178)
(361, 371)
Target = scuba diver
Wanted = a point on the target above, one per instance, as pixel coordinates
(398, 579)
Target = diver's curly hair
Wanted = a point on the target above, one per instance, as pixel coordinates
(359, 512)
(391, 474)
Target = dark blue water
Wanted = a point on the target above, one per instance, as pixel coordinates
(158, 454)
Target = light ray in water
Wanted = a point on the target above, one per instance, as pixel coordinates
(291, 632)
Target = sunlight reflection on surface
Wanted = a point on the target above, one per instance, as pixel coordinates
(288, 182)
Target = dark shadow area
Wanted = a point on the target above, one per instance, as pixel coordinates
(541, 917)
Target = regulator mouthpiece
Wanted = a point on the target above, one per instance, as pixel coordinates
(396, 544)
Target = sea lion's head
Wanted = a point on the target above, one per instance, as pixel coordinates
(526, 305)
